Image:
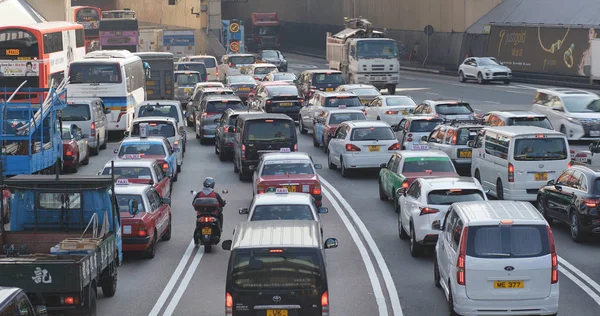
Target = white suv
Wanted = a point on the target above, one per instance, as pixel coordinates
(484, 69)
(575, 113)
(496, 257)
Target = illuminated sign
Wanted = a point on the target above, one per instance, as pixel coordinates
(13, 52)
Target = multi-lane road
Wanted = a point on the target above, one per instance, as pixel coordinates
(370, 273)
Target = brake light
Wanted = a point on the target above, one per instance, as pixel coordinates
(409, 135)
(142, 231)
(207, 219)
(553, 256)
(352, 147)
(591, 202)
(511, 173)
(460, 264)
(317, 189)
(395, 146)
(69, 300)
(428, 210)
(391, 112)
(228, 304)
(260, 189)
(243, 152)
(325, 304)
(165, 166)
(69, 153)
(226, 129)
(296, 147)
(405, 185)
(152, 124)
(217, 71)
(268, 102)
(454, 139)
(570, 164)
(93, 129)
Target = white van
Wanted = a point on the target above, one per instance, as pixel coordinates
(496, 258)
(513, 162)
(210, 62)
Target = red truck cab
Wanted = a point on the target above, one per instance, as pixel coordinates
(266, 31)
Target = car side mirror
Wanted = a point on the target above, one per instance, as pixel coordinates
(558, 187)
(225, 191)
(244, 210)
(486, 190)
(116, 150)
(424, 138)
(558, 109)
(126, 133)
(436, 225)
(331, 243)
(551, 182)
(401, 191)
(192, 192)
(226, 244)
(470, 143)
(133, 207)
(383, 165)
(411, 111)
(41, 310)
(86, 136)
(166, 201)
(318, 166)
(323, 210)
(106, 110)
(176, 150)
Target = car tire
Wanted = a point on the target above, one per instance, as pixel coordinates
(108, 281)
(216, 148)
(415, 248)
(477, 175)
(207, 248)
(345, 172)
(395, 200)
(176, 177)
(151, 252)
(105, 142)
(451, 301)
(167, 236)
(436, 272)
(86, 161)
(499, 190)
(401, 232)
(301, 127)
(95, 151)
(179, 168)
(480, 79)
(325, 149)
(315, 142)
(391, 89)
(90, 302)
(382, 195)
(75, 167)
(461, 77)
(330, 163)
(575, 227)
(541, 205)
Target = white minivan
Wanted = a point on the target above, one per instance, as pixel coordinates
(496, 258)
(210, 62)
(513, 162)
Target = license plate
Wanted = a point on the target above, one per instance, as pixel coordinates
(286, 104)
(373, 148)
(465, 153)
(290, 188)
(277, 312)
(127, 229)
(187, 90)
(594, 133)
(509, 284)
(206, 231)
(540, 176)
(244, 89)
(328, 89)
(420, 147)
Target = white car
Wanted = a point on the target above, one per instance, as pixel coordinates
(361, 145)
(259, 71)
(166, 108)
(390, 108)
(161, 126)
(428, 199)
(410, 131)
(484, 69)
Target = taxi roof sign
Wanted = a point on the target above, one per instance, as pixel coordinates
(342, 106)
(143, 130)
(122, 181)
(132, 156)
(285, 150)
(281, 191)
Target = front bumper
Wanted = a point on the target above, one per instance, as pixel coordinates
(378, 79)
(497, 76)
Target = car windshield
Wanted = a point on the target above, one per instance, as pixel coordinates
(282, 212)
(328, 78)
(76, 112)
(296, 269)
(336, 102)
(142, 173)
(66, 134)
(487, 62)
(241, 79)
(466, 134)
(377, 49)
(166, 110)
(365, 91)
(516, 241)
(399, 101)
(276, 91)
(338, 118)
(269, 130)
(275, 168)
(582, 103)
(123, 202)
(144, 149)
(372, 133)
(539, 121)
(271, 30)
(284, 76)
(270, 54)
(222, 106)
(427, 165)
(242, 60)
(453, 109)
(541, 149)
(199, 67)
(264, 70)
(422, 126)
(163, 129)
(94, 73)
(208, 62)
(447, 197)
(187, 79)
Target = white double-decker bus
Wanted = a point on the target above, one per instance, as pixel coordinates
(115, 76)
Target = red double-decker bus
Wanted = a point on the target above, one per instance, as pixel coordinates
(89, 17)
(38, 53)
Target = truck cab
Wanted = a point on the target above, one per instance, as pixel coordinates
(266, 31)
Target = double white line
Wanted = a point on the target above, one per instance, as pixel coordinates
(580, 279)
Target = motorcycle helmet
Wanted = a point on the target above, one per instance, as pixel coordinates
(209, 182)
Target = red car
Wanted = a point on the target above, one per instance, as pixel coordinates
(5, 207)
(144, 171)
(75, 148)
(294, 171)
(328, 120)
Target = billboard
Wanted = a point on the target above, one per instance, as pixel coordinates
(19, 68)
(179, 42)
(551, 50)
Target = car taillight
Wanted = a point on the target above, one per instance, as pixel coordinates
(569, 164)
(409, 135)
(93, 129)
(142, 231)
(69, 300)
(391, 112)
(454, 139)
(243, 152)
(553, 256)
(207, 219)
(269, 101)
(296, 147)
(511, 173)
(462, 256)
(165, 166)
(325, 304)
(69, 153)
(405, 185)
(228, 304)
(260, 189)
(395, 146)
(217, 72)
(591, 202)
(352, 147)
(428, 210)
(317, 189)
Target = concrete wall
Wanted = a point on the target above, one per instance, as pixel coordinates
(52, 10)
(104, 5)
(160, 12)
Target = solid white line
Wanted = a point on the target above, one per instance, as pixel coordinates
(377, 289)
(582, 285)
(385, 272)
(582, 275)
(432, 93)
(185, 282)
(491, 102)
(176, 274)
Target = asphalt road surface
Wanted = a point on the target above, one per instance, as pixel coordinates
(370, 273)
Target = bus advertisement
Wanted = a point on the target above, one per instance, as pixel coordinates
(89, 17)
(38, 53)
(119, 30)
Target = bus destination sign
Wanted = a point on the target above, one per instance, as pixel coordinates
(13, 52)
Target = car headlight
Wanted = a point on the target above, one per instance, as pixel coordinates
(574, 120)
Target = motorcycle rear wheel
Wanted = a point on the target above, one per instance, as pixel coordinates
(207, 248)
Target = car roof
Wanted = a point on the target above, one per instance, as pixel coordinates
(155, 118)
(516, 113)
(244, 111)
(263, 65)
(423, 153)
(318, 71)
(364, 123)
(7, 293)
(277, 233)
(388, 96)
(73, 100)
(264, 116)
(209, 83)
(447, 183)
(565, 91)
(284, 72)
(216, 97)
(185, 72)
(161, 102)
(286, 156)
(444, 101)
(138, 139)
(131, 163)
(131, 188)
(201, 56)
(189, 62)
(238, 55)
(357, 86)
(274, 83)
(337, 94)
(522, 130)
(291, 198)
(423, 117)
(492, 212)
(213, 89)
(586, 168)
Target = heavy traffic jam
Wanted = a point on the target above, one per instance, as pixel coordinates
(479, 191)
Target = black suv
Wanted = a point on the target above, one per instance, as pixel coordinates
(277, 99)
(225, 132)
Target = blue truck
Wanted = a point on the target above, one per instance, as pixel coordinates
(233, 36)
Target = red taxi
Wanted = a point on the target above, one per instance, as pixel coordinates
(294, 171)
(75, 148)
(328, 120)
(142, 171)
(146, 224)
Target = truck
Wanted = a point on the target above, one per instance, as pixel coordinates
(159, 82)
(63, 241)
(180, 43)
(30, 133)
(150, 40)
(265, 31)
(233, 36)
(364, 55)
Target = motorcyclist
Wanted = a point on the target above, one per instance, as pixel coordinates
(209, 191)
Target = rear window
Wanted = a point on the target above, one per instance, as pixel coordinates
(399, 100)
(155, 129)
(208, 62)
(276, 91)
(275, 168)
(334, 102)
(159, 110)
(427, 164)
(332, 78)
(130, 172)
(192, 67)
(66, 133)
(269, 130)
(542, 122)
(372, 133)
(541, 149)
(466, 134)
(123, 202)
(142, 149)
(243, 60)
(290, 269)
(220, 106)
(517, 241)
(284, 76)
(422, 126)
(338, 118)
(453, 109)
(264, 70)
(76, 112)
(187, 79)
(447, 197)
(282, 212)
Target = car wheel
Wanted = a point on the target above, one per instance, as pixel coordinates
(382, 195)
(151, 252)
(105, 141)
(301, 127)
(86, 161)
(480, 78)
(395, 198)
(96, 150)
(216, 148)
(167, 236)
(75, 167)
(451, 301)
(345, 172)
(325, 149)
(401, 232)
(576, 233)
(436, 272)
(543, 210)
(415, 248)
(461, 77)
(563, 130)
(330, 163)
(315, 142)
(499, 190)
(477, 176)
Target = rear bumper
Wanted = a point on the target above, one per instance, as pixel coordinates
(93, 142)
(136, 243)
(69, 161)
(465, 306)
(207, 131)
(365, 161)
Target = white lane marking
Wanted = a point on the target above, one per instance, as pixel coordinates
(385, 271)
(518, 92)
(492, 102)
(377, 288)
(459, 84)
(432, 93)
(582, 275)
(409, 78)
(582, 285)
(176, 274)
(184, 282)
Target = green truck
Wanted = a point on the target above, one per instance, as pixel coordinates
(63, 240)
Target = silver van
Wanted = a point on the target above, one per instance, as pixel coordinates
(90, 115)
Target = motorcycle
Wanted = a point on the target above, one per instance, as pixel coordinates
(208, 226)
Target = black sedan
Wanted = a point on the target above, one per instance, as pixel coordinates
(241, 85)
(274, 57)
